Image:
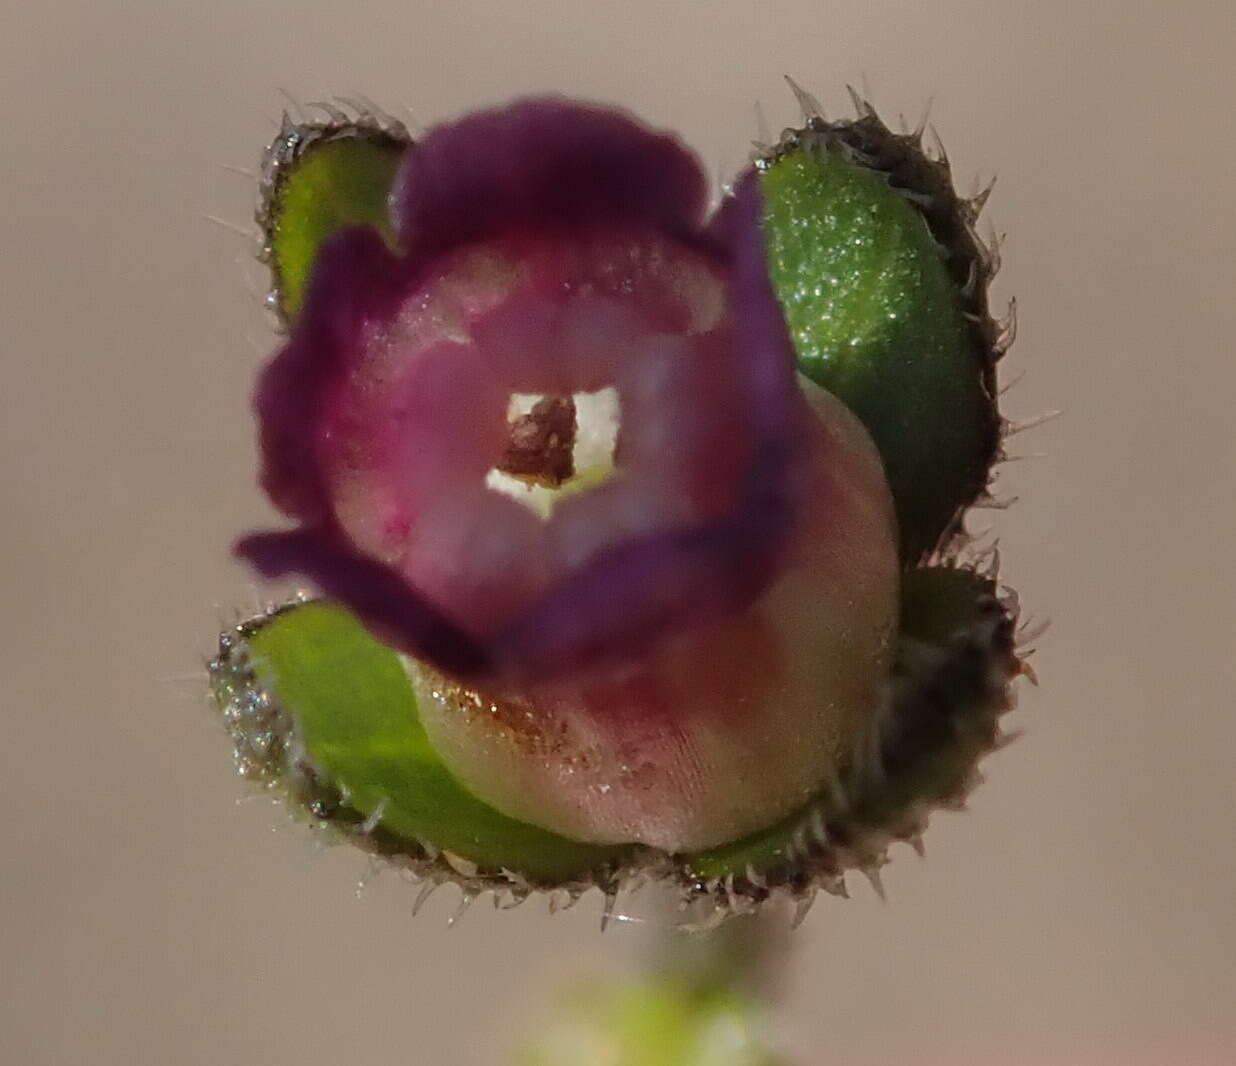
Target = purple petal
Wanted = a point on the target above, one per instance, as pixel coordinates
(539, 163)
(352, 283)
(626, 600)
(379, 595)
(371, 437)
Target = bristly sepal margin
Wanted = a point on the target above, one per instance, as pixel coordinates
(951, 684)
(269, 753)
(926, 180)
(342, 121)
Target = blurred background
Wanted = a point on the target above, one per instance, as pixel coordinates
(1080, 913)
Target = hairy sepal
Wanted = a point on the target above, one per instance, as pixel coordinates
(884, 281)
(952, 681)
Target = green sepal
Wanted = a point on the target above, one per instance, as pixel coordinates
(883, 283)
(318, 179)
(343, 737)
(325, 714)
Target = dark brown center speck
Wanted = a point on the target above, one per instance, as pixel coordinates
(541, 444)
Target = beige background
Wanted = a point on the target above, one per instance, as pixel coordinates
(1082, 913)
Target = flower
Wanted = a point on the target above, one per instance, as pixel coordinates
(687, 622)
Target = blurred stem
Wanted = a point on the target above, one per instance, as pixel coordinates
(702, 1001)
(746, 956)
